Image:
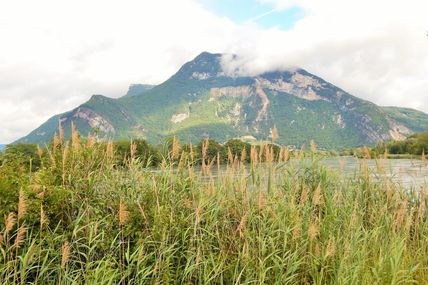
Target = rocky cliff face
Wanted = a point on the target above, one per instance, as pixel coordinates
(201, 100)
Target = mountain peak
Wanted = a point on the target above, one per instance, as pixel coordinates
(208, 56)
(202, 99)
(204, 66)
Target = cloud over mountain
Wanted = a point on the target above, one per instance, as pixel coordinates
(55, 54)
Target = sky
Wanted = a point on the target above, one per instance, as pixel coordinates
(54, 54)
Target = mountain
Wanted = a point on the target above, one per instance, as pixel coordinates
(201, 100)
(2, 146)
(137, 89)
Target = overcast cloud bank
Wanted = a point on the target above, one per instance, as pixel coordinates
(56, 54)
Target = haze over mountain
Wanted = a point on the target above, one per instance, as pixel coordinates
(202, 100)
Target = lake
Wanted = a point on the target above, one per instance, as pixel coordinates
(407, 172)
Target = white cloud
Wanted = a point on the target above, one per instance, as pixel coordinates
(54, 54)
(377, 50)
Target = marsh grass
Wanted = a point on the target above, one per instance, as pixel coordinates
(82, 219)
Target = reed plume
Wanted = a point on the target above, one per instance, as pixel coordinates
(286, 156)
(65, 254)
(175, 147)
(253, 156)
(313, 146)
(10, 223)
(133, 150)
(274, 134)
(123, 214)
(313, 230)
(218, 163)
(20, 236)
(318, 199)
(262, 201)
(39, 152)
(110, 150)
(242, 225)
(280, 155)
(229, 155)
(260, 158)
(366, 153)
(331, 249)
(304, 195)
(400, 214)
(243, 155)
(75, 142)
(55, 142)
(22, 205)
(43, 218)
(90, 141)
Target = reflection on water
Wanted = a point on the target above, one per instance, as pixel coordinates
(404, 171)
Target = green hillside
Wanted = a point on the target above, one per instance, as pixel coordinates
(200, 100)
(416, 120)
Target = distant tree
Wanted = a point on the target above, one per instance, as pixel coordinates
(24, 155)
(237, 147)
(143, 151)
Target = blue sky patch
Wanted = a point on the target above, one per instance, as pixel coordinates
(243, 11)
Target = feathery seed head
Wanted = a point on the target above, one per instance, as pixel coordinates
(22, 205)
(10, 222)
(20, 236)
(65, 254)
(123, 214)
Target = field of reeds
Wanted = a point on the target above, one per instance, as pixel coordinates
(283, 218)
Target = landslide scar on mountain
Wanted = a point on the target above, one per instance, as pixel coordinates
(397, 131)
(178, 118)
(94, 120)
(262, 114)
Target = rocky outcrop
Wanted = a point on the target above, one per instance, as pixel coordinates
(94, 120)
(243, 92)
(178, 118)
(298, 85)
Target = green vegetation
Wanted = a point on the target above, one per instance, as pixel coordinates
(87, 215)
(416, 144)
(416, 120)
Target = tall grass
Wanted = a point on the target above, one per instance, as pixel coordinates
(282, 219)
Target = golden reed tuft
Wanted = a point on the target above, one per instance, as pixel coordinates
(39, 151)
(65, 254)
(20, 236)
(123, 214)
(274, 134)
(43, 218)
(75, 142)
(313, 230)
(22, 205)
(110, 149)
(313, 146)
(318, 199)
(175, 148)
(9, 223)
